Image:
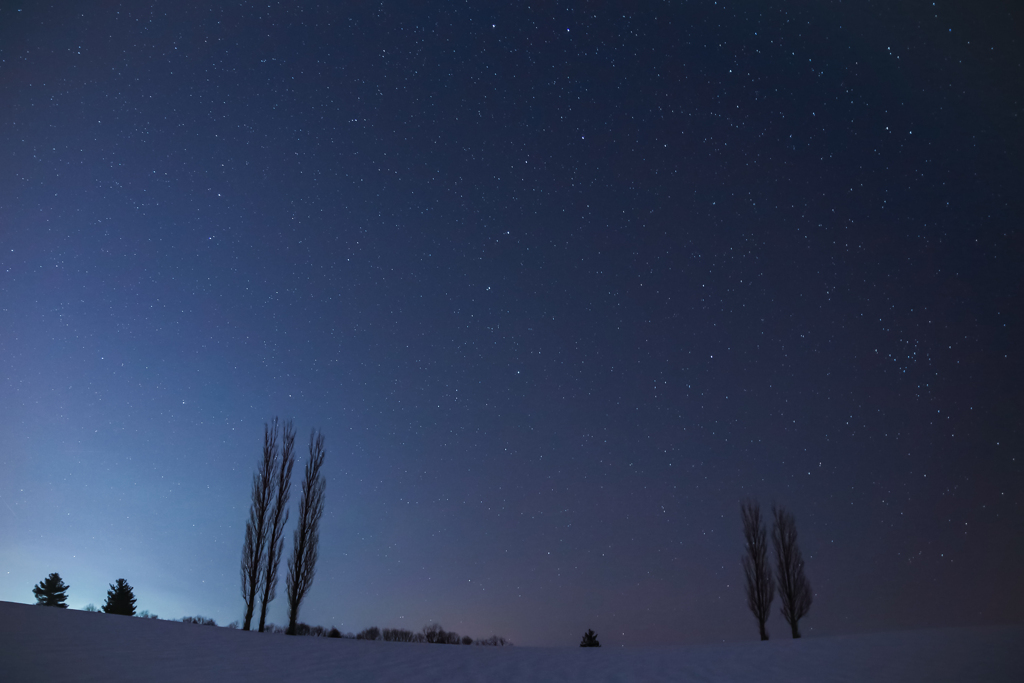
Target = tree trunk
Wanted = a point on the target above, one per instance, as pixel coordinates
(249, 609)
(293, 617)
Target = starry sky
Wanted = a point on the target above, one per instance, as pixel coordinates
(561, 283)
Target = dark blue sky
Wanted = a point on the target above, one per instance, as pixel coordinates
(561, 285)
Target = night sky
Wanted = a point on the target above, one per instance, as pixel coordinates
(561, 284)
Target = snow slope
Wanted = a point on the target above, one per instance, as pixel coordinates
(47, 644)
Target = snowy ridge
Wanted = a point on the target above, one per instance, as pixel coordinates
(49, 644)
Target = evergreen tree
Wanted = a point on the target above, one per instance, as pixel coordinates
(120, 599)
(51, 592)
(590, 639)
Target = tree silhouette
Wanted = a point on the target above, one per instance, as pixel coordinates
(371, 633)
(51, 592)
(120, 599)
(434, 633)
(254, 548)
(302, 563)
(399, 635)
(758, 572)
(282, 486)
(495, 640)
(794, 588)
(590, 639)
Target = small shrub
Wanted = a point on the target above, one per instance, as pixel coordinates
(144, 614)
(202, 621)
(334, 633)
(302, 629)
(233, 624)
(90, 608)
(466, 640)
(590, 639)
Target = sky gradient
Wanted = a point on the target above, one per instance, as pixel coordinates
(560, 284)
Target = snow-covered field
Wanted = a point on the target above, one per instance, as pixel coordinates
(48, 644)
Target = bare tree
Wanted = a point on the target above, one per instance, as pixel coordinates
(756, 568)
(371, 633)
(302, 564)
(398, 635)
(278, 517)
(794, 588)
(254, 549)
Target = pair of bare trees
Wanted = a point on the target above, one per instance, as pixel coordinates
(794, 588)
(268, 514)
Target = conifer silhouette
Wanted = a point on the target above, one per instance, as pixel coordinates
(51, 592)
(120, 599)
(590, 639)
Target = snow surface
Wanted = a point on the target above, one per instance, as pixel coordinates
(49, 644)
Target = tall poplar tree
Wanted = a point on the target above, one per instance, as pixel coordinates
(756, 568)
(278, 519)
(794, 588)
(302, 564)
(254, 548)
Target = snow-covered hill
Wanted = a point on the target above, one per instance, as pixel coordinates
(47, 644)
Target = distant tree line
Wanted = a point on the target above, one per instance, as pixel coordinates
(793, 586)
(202, 621)
(431, 633)
(263, 545)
